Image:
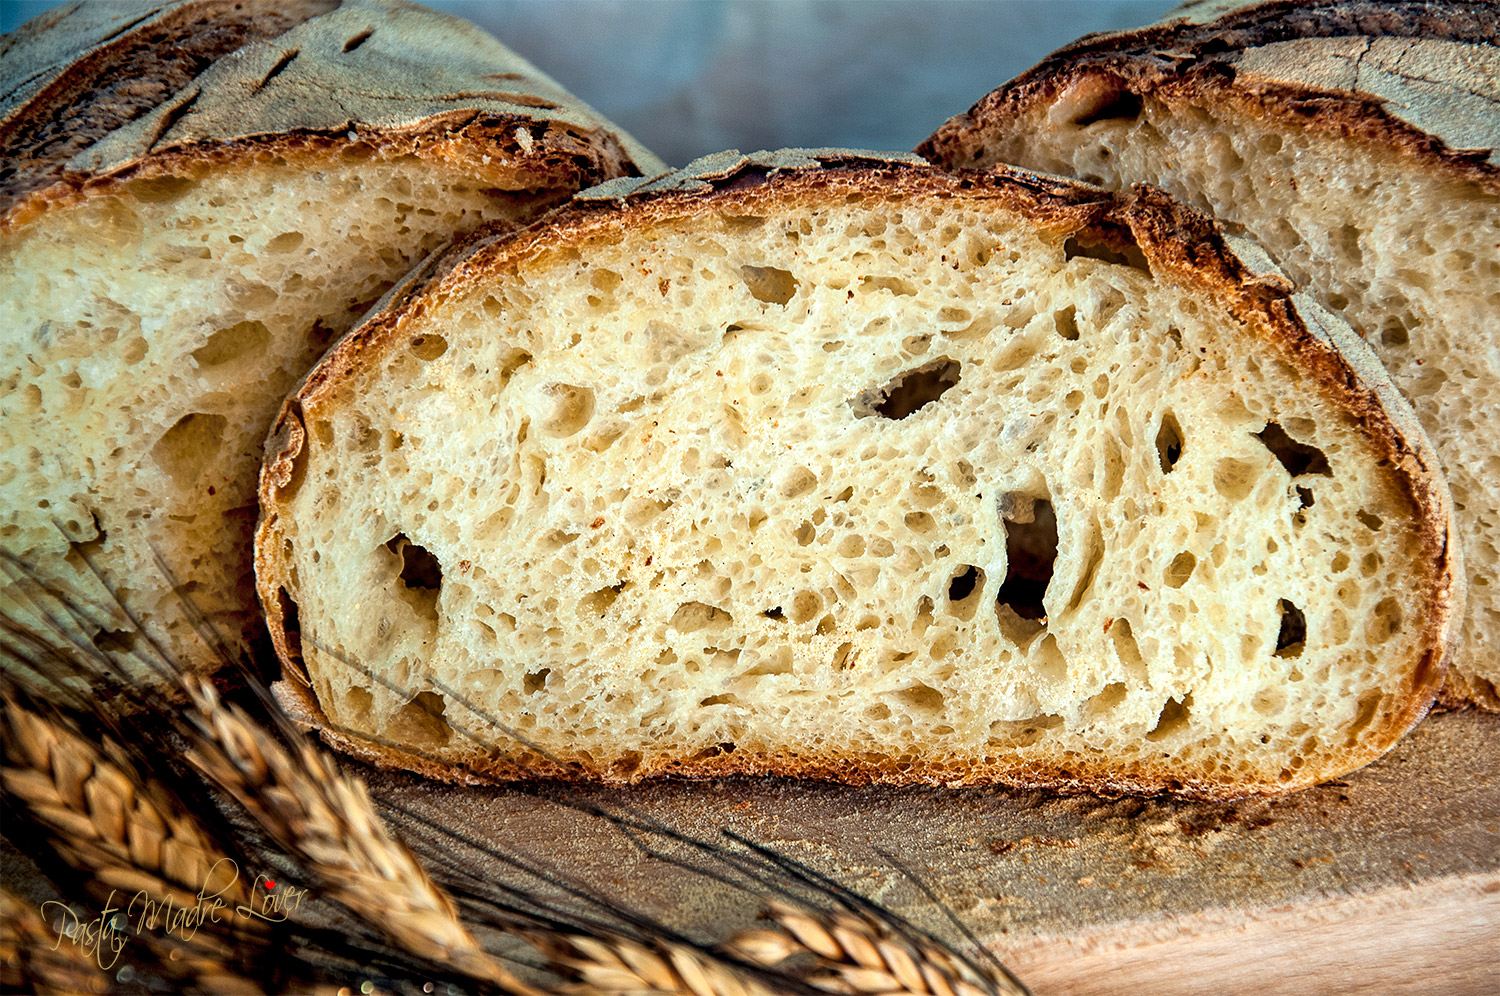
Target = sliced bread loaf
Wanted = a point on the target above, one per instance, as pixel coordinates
(842, 466)
(1356, 141)
(198, 198)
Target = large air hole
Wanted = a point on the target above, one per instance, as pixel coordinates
(770, 284)
(908, 392)
(1030, 552)
(245, 340)
(190, 447)
(963, 591)
(420, 570)
(1291, 639)
(1129, 255)
(420, 722)
(1174, 717)
(1297, 458)
(1169, 442)
(1112, 103)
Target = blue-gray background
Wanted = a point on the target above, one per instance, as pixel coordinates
(689, 77)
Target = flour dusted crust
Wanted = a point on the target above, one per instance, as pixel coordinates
(358, 555)
(198, 198)
(1358, 143)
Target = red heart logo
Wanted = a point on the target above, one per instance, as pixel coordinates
(270, 884)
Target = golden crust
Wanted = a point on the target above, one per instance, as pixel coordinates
(1170, 236)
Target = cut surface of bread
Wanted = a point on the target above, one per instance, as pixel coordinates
(829, 465)
(1356, 142)
(169, 268)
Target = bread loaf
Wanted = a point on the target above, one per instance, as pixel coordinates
(198, 198)
(1356, 141)
(829, 464)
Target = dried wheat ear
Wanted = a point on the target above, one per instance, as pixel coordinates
(861, 472)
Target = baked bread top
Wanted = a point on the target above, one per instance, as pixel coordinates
(826, 463)
(197, 199)
(1359, 144)
(96, 91)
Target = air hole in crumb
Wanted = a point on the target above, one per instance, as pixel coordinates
(572, 408)
(240, 341)
(535, 681)
(770, 284)
(357, 40)
(1291, 639)
(1169, 442)
(1067, 322)
(693, 616)
(1174, 716)
(429, 347)
(597, 603)
(775, 613)
(187, 449)
(1394, 333)
(1113, 104)
(963, 590)
(419, 569)
(1130, 255)
(1371, 521)
(908, 392)
(1297, 458)
(1305, 497)
(1030, 551)
(1180, 569)
(1386, 621)
(420, 722)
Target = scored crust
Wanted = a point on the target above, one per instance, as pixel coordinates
(1171, 237)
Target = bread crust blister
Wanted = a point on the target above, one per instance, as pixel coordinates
(1177, 244)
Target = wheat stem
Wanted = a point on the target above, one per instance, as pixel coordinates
(851, 953)
(327, 820)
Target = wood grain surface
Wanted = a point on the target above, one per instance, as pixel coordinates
(1385, 882)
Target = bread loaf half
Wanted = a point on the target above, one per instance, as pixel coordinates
(1357, 142)
(830, 465)
(198, 198)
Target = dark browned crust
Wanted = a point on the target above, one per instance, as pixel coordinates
(557, 158)
(173, 87)
(1173, 238)
(127, 76)
(1185, 63)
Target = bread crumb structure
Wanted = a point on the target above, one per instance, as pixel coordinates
(862, 472)
(204, 197)
(1360, 155)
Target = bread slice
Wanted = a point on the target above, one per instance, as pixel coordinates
(1356, 142)
(199, 198)
(830, 465)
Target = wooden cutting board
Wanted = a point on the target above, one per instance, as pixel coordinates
(1385, 882)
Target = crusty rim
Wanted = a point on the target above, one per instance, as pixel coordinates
(1173, 238)
(484, 144)
(1180, 62)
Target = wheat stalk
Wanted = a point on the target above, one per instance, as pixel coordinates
(327, 820)
(857, 954)
(127, 835)
(30, 959)
(604, 965)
